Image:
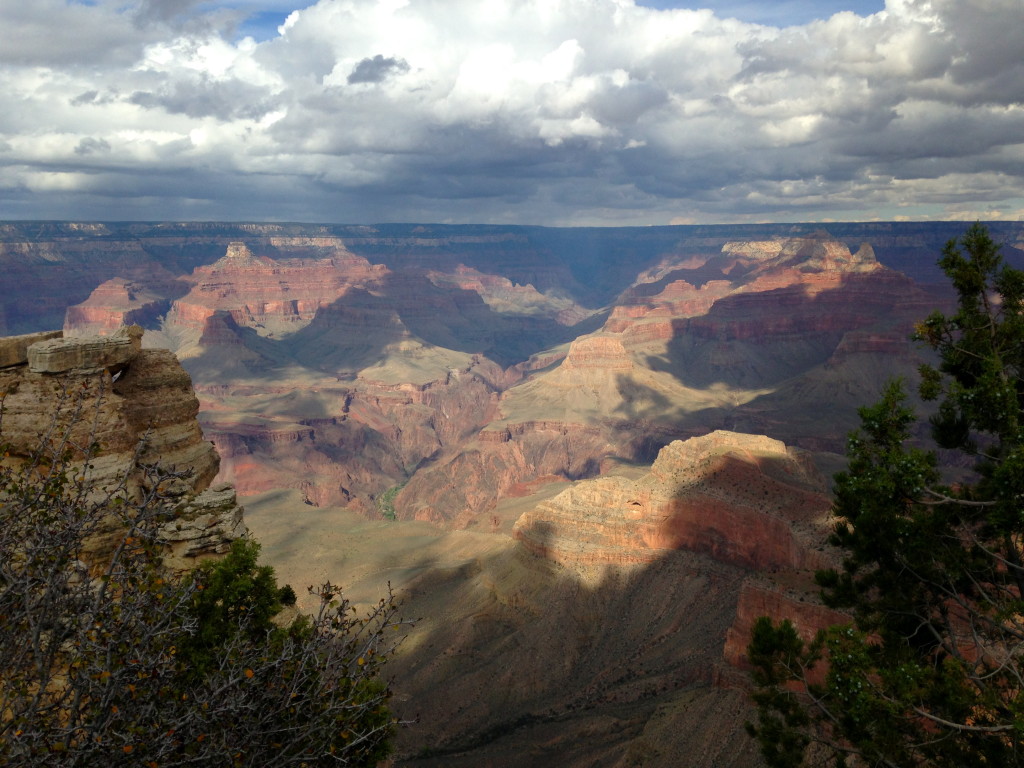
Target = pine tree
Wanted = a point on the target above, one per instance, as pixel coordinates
(930, 671)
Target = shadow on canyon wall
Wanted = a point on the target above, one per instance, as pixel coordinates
(356, 330)
(523, 662)
(759, 339)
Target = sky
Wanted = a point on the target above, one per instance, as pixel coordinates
(554, 112)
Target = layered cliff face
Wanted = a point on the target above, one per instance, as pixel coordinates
(745, 500)
(340, 378)
(327, 357)
(310, 360)
(612, 630)
(54, 265)
(786, 338)
(342, 442)
(468, 373)
(123, 407)
(274, 297)
(120, 302)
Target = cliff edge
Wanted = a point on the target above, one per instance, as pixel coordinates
(114, 408)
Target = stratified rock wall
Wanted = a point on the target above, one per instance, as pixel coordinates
(301, 339)
(274, 296)
(744, 500)
(120, 302)
(116, 407)
(777, 600)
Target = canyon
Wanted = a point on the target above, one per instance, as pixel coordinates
(589, 459)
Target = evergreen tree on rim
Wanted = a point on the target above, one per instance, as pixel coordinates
(930, 672)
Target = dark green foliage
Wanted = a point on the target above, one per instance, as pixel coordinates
(286, 595)
(931, 670)
(775, 653)
(108, 659)
(230, 595)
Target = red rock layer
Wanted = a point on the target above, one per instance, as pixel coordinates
(259, 291)
(117, 302)
(797, 602)
(787, 287)
(345, 442)
(677, 299)
(458, 489)
(605, 353)
(743, 500)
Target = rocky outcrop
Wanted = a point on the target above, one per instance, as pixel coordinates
(817, 252)
(205, 523)
(115, 408)
(14, 349)
(746, 329)
(605, 353)
(747, 503)
(273, 296)
(616, 617)
(695, 345)
(85, 355)
(459, 489)
(120, 302)
(744, 500)
(787, 596)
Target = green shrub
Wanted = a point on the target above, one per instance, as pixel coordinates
(106, 658)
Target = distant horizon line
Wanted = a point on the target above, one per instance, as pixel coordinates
(284, 223)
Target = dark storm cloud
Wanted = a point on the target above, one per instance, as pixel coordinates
(148, 11)
(222, 99)
(90, 146)
(377, 69)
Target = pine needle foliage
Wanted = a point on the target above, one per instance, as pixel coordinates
(930, 670)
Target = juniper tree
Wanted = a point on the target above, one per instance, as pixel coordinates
(930, 670)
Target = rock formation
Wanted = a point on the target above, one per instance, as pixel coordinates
(744, 500)
(784, 596)
(611, 632)
(120, 302)
(768, 338)
(454, 368)
(272, 296)
(116, 407)
(62, 262)
(462, 365)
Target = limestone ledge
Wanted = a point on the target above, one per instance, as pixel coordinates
(87, 354)
(744, 500)
(204, 524)
(14, 349)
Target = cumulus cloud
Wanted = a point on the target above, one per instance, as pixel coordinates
(547, 111)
